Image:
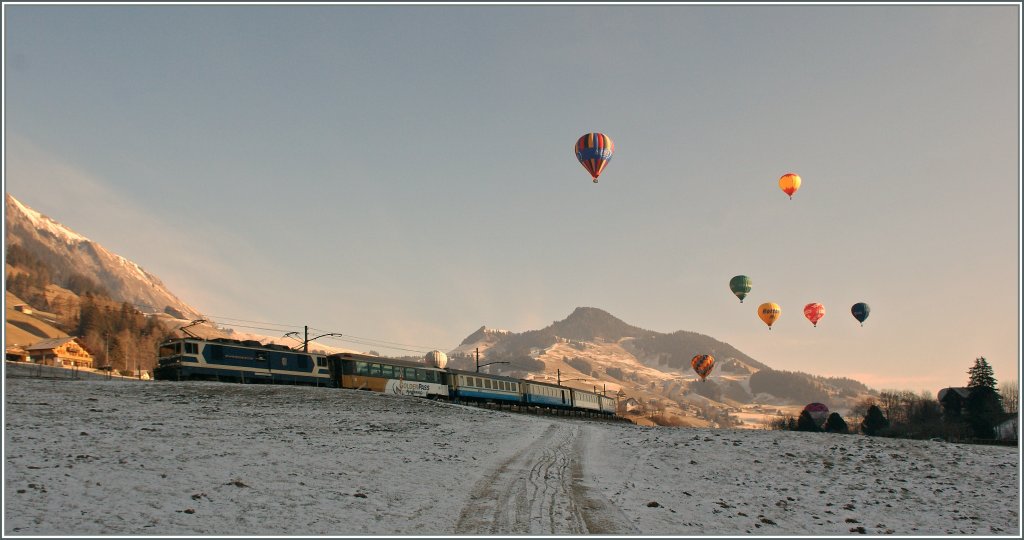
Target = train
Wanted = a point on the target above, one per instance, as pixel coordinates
(249, 361)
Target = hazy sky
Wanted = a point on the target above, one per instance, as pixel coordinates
(406, 173)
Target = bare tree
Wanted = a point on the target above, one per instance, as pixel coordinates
(1009, 392)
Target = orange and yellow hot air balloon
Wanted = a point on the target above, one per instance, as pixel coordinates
(789, 183)
(769, 313)
(814, 312)
(702, 364)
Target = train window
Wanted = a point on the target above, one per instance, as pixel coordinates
(170, 349)
(284, 361)
(418, 374)
(374, 370)
(362, 368)
(321, 362)
(410, 374)
(191, 348)
(514, 385)
(387, 371)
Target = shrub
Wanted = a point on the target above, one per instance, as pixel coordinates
(806, 423)
(874, 421)
(836, 424)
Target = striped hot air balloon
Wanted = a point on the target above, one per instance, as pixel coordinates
(594, 150)
(702, 364)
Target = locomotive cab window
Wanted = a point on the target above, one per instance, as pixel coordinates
(191, 348)
(170, 349)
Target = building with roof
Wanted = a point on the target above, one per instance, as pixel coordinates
(953, 400)
(61, 351)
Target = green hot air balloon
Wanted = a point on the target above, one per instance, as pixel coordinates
(740, 286)
(860, 311)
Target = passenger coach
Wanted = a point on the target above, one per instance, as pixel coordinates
(389, 375)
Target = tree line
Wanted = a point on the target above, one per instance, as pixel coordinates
(904, 414)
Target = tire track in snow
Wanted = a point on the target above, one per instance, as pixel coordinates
(539, 490)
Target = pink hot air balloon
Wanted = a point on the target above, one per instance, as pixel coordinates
(814, 312)
(818, 412)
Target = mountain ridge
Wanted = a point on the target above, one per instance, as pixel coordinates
(69, 254)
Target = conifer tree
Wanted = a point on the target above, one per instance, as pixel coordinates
(836, 424)
(981, 374)
(983, 406)
(874, 421)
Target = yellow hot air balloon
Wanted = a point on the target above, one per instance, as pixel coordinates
(790, 183)
(769, 313)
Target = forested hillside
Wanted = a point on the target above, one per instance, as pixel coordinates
(115, 333)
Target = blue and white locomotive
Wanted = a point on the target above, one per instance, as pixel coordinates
(232, 360)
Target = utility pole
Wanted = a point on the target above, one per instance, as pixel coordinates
(487, 364)
(305, 341)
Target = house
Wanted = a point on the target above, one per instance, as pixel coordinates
(61, 351)
(16, 353)
(629, 405)
(1007, 429)
(953, 400)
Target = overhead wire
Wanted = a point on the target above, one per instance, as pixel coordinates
(233, 322)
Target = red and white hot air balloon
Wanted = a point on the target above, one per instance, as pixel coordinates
(814, 312)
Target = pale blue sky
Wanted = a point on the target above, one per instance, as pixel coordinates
(406, 173)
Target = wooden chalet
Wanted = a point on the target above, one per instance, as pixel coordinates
(61, 352)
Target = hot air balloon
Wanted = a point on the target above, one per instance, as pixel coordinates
(790, 183)
(740, 286)
(594, 150)
(769, 313)
(860, 312)
(818, 412)
(814, 312)
(436, 359)
(702, 364)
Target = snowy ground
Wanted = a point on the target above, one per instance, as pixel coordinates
(94, 457)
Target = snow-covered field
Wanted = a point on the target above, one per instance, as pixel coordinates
(166, 458)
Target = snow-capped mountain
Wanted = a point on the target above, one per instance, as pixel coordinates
(67, 252)
(591, 348)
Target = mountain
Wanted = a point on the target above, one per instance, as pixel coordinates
(592, 348)
(70, 256)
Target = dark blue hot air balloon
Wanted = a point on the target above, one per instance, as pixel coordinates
(860, 312)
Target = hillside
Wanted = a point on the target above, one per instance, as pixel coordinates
(72, 259)
(23, 329)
